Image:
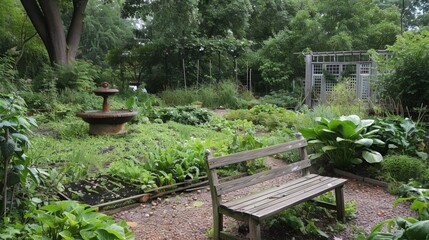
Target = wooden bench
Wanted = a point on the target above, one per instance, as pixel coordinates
(256, 207)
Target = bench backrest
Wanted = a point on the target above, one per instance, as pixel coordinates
(218, 188)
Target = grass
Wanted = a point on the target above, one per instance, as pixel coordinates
(64, 143)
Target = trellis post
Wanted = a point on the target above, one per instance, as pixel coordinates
(308, 79)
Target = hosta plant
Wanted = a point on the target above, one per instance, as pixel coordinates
(345, 141)
(72, 220)
(406, 228)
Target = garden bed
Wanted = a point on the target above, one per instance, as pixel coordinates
(107, 193)
(99, 190)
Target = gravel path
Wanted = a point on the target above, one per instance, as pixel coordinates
(189, 215)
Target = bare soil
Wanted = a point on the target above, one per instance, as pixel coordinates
(188, 215)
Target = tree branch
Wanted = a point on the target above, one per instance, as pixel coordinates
(75, 30)
(36, 16)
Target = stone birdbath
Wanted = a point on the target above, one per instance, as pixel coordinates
(106, 121)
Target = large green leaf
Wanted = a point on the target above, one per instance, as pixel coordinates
(339, 139)
(333, 124)
(365, 142)
(328, 148)
(314, 142)
(408, 126)
(372, 156)
(315, 155)
(308, 133)
(354, 118)
(378, 141)
(324, 134)
(8, 148)
(419, 230)
(365, 123)
(346, 129)
(356, 161)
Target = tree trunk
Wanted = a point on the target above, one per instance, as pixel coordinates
(46, 18)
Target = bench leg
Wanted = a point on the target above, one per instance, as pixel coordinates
(339, 199)
(254, 230)
(217, 224)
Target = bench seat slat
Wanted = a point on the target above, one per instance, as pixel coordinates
(258, 198)
(282, 197)
(254, 154)
(242, 182)
(287, 192)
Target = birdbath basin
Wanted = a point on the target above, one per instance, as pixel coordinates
(106, 121)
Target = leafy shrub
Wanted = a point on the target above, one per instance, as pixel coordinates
(268, 115)
(164, 166)
(402, 136)
(406, 79)
(281, 99)
(230, 126)
(408, 228)
(72, 220)
(189, 115)
(403, 168)
(79, 75)
(132, 171)
(344, 141)
(16, 170)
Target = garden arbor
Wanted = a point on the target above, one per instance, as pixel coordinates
(323, 70)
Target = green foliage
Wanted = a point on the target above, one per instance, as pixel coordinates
(403, 168)
(408, 228)
(134, 172)
(243, 142)
(230, 127)
(302, 219)
(79, 75)
(212, 96)
(103, 30)
(403, 228)
(281, 98)
(407, 70)
(401, 136)
(344, 100)
(345, 142)
(15, 168)
(8, 75)
(419, 198)
(72, 220)
(163, 166)
(189, 115)
(267, 115)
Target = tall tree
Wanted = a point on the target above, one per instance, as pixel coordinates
(45, 15)
(104, 29)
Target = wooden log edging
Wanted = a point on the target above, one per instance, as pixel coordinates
(361, 179)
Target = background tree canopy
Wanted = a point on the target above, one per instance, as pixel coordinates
(166, 44)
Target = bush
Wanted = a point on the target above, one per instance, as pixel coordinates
(267, 115)
(345, 142)
(281, 99)
(403, 168)
(406, 72)
(189, 115)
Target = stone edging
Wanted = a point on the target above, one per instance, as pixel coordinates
(360, 178)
